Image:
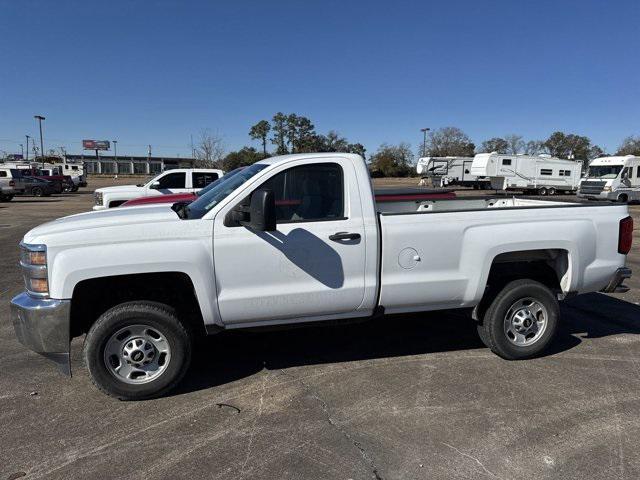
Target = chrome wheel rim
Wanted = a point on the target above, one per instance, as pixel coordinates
(137, 354)
(525, 322)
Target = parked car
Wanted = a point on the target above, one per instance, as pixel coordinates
(382, 195)
(36, 186)
(296, 239)
(179, 180)
(8, 183)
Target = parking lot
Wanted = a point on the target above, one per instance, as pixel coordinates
(404, 396)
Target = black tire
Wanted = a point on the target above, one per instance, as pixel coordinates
(551, 191)
(623, 198)
(157, 316)
(36, 192)
(542, 191)
(492, 325)
(5, 198)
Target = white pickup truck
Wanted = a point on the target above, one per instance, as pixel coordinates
(300, 238)
(179, 180)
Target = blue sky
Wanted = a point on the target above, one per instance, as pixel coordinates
(145, 72)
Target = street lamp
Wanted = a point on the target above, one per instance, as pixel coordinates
(115, 150)
(28, 137)
(424, 141)
(22, 150)
(40, 118)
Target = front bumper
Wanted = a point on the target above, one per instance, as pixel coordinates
(615, 285)
(43, 325)
(97, 208)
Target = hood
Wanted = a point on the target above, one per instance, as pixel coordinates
(120, 188)
(90, 222)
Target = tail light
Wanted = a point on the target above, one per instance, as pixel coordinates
(625, 235)
(12, 183)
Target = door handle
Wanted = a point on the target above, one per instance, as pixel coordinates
(336, 237)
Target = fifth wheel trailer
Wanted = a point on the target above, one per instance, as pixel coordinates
(448, 171)
(530, 173)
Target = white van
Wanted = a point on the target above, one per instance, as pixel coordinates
(449, 171)
(612, 178)
(541, 174)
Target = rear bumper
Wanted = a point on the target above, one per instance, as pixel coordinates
(615, 285)
(43, 325)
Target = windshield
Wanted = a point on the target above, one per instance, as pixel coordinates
(219, 192)
(604, 171)
(220, 180)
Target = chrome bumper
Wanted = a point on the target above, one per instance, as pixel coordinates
(615, 285)
(42, 325)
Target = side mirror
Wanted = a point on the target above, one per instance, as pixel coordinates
(155, 185)
(262, 211)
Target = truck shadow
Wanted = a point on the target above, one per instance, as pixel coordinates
(229, 356)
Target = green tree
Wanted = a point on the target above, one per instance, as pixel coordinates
(279, 129)
(629, 146)
(241, 158)
(260, 131)
(449, 141)
(570, 145)
(392, 160)
(495, 144)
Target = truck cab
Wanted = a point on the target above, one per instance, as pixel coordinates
(611, 178)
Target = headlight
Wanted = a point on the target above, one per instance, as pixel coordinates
(33, 260)
(98, 198)
(607, 189)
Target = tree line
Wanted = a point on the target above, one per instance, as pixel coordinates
(292, 133)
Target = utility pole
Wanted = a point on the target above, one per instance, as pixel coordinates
(28, 137)
(424, 141)
(22, 150)
(40, 118)
(115, 150)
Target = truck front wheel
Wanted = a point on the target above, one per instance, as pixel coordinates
(520, 321)
(137, 350)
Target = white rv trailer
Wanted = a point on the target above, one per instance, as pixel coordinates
(542, 174)
(448, 171)
(612, 178)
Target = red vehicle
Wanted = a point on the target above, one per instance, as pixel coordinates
(59, 183)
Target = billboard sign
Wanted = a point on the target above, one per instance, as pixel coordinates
(96, 144)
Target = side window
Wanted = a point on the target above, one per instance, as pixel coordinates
(308, 192)
(546, 171)
(638, 171)
(3, 173)
(506, 161)
(173, 180)
(202, 179)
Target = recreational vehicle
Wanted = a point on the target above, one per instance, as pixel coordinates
(447, 171)
(612, 178)
(540, 174)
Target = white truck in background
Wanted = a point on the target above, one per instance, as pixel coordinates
(299, 239)
(450, 171)
(539, 174)
(177, 180)
(614, 178)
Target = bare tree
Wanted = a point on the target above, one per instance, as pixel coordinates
(449, 141)
(515, 144)
(535, 147)
(209, 150)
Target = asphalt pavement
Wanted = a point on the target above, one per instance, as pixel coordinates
(404, 396)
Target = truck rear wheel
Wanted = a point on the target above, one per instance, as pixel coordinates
(137, 350)
(520, 321)
(542, 191)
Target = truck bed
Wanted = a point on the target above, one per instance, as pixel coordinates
(408, 206)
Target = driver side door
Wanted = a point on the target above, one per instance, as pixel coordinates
(306, 268)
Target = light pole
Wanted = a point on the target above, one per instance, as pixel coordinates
(22, 150)
(115, 150)
(40, 118)
(28, 137)
(424, 141)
